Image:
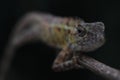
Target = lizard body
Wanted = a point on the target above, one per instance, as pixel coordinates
(69, 34)
(62, 31)
(56, 31)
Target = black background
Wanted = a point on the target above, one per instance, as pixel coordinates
(33, 60)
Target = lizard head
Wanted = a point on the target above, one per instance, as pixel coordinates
(88, 36)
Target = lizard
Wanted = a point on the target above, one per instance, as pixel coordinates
(72, 35)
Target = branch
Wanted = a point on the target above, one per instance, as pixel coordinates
(99, 68)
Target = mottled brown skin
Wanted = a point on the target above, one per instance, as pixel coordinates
(70, 35)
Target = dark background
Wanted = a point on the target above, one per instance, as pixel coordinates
(33, 60)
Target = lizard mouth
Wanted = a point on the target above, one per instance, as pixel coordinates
(90, 43)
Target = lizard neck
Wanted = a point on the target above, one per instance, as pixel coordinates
(61, 34)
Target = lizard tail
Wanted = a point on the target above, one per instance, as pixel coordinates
(17, 38)
(7, 60)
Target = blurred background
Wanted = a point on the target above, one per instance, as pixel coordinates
(34, 60)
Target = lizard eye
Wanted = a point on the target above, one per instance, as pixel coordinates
(81, 31)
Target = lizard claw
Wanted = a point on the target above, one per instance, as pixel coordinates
(75, 62)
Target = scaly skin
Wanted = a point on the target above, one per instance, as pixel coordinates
(57, 31)
(69, 34)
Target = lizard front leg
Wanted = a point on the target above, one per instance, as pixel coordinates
(64, 60)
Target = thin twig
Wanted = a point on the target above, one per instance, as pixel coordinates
(99, 68)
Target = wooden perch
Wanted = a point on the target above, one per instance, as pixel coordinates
(99, 68)
(87, 62)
